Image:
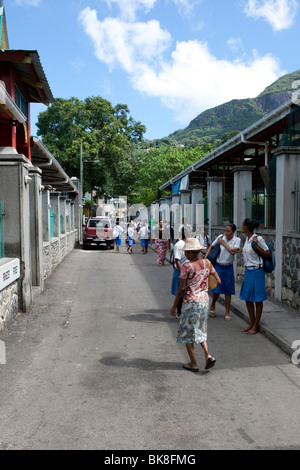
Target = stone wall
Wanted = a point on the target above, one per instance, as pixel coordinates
(55, 251)
(8, 304)
(291, 271)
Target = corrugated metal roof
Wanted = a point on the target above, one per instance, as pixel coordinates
(32, 71)
(52, 172)
(250, 133)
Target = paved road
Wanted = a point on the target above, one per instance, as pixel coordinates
(95, 365)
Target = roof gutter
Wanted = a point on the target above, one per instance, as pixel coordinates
(279, 112)
(53, 162)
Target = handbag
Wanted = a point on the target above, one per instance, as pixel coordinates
(212, 282)
(214, 253)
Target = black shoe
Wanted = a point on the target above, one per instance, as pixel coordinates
(210, 363)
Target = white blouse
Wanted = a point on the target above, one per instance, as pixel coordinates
(178, 253)
(251, 258)
(226, 258)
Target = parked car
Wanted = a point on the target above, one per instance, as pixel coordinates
(98, 230)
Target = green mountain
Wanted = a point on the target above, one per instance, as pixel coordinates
(218, 124)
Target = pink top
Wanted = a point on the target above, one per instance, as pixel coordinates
(196, 275)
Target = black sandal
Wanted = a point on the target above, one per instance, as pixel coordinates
(210, 363)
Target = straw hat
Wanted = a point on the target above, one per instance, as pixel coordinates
(192, 244)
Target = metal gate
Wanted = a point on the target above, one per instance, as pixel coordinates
(296, 194)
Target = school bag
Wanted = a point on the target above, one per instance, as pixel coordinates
(269, 262)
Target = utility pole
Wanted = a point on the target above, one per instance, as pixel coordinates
(81, 174)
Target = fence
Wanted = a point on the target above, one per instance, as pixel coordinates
(225, 209)
(205, 204)
(51, 224)
(296, 193)
(261, 206)
(2, 246)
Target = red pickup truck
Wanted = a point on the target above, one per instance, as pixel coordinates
(98, 230)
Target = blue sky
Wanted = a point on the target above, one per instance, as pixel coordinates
(168, 60)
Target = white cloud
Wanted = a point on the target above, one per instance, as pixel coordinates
(190, 80)
(185, 6)
(195, 80)
(125, 44)
(235, 44)
(280, 14)
(29, 3)
(129, 8)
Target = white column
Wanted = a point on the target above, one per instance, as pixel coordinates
(14, 191)
(287, 171)
(177, 213)
(215, 193)
(185, 202)
(242, 188)
(63, 218)
(36, 228)
(197, 213)
(55, 207)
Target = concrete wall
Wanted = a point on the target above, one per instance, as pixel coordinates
(56, 250)
(31, 255)
(14, 191)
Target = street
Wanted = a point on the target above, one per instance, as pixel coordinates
(94, 364)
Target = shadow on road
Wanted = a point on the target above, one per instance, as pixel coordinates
(150, 316)
(143, 364)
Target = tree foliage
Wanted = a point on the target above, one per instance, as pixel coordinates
(124, 164)
(156, 166)
(105, 133)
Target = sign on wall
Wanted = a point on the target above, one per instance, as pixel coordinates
(9, 272)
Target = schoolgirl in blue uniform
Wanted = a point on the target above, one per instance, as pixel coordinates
(253, 290)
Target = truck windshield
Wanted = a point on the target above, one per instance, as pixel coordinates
(102, 223)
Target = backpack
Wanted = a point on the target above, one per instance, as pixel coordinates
(172, 258)
(269, 262)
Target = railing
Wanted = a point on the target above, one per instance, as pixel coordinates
(261, 207)
(225, 209)
(205, 203)
(296, 194)
(51, 224)
(2, 245)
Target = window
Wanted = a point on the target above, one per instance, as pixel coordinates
(100, 223)
(296, 194)
(21, 101)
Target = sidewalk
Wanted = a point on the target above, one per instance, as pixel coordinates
(278, 323)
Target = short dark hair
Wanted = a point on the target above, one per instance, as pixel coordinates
(251, 224)
(232, 226)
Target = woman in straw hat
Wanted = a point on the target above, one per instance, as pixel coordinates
(194, 278)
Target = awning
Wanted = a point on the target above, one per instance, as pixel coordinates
(30, 71)
(52, 173)
(255, 135)
(176, 187)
